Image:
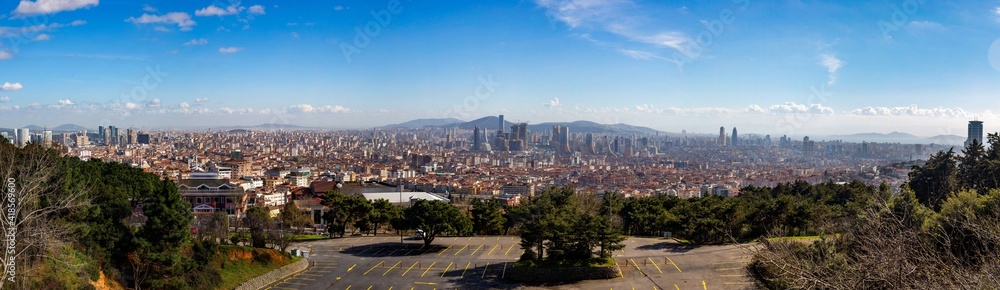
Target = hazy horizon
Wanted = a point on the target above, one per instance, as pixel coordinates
(827, 68)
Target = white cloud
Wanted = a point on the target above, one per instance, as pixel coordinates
(27, 7)
(551, 104)
(792, 107)
(197, 41)
(5, 55)
(306, 108)
(184, 105)
(5, 99)
(913, 110)
(623, 18)
(201, 100)
(148, 8)
(65, 102)
(640, 55)
(256, 10)
(11, 87)
(645, 108)
(295, 35)
(77, 23)
(231, 49)
(754, 109)
(997, 11)
(42, 37)
(181, 19)
(338, 8)
(832, 65)
(213, 10)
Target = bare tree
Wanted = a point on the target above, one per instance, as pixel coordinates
(35, 197)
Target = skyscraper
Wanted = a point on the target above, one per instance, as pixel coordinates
(500, 129)
(975, 132)
(47, 138)
(722, 136)
(736, 140)
(475, 139)
(22, 136)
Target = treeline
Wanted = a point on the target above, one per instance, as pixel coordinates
(787, 209)
(72, 210)
(74, 220)
(940, 232)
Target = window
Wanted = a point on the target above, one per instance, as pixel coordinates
(199, 200)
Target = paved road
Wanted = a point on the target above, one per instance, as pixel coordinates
(366, 263)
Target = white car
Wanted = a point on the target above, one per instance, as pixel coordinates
(419, 234)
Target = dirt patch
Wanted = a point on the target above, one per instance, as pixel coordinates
(103, 283)
(239, 255)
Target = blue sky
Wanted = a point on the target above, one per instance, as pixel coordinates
(769, 67)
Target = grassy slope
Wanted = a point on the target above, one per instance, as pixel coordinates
(240, 264)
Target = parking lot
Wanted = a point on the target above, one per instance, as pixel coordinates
(383, 262)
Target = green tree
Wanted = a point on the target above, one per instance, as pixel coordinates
(487, 217)
(258, 222)
(933, 182)
(436, 217)
(344, 210)
(383, 212)
(971, 168)
(167, 228)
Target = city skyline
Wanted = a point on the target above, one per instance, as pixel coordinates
(829, 68)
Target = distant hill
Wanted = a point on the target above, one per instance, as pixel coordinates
(899, 137)
(947, 139)
(595, 128)
(490, 123)
(69, 128)
(420, 123)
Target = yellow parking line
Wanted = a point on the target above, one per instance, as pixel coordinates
(504, 273)
(351, 268)
(677, 287)
(446, 269)
(737, 283)
(348, 287)
(704, 285)
(393, 252)
(369, 270)
(393, 267)
(466, 269)
(484, 270)
(477, 250)
(654, 265)
(637, 267)
(408, 270)
(372, 239)
(491, 250)
(460, 250)
(508, 250)
(428, 269)
(369, 287)
(445, 250)
(675, 265)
